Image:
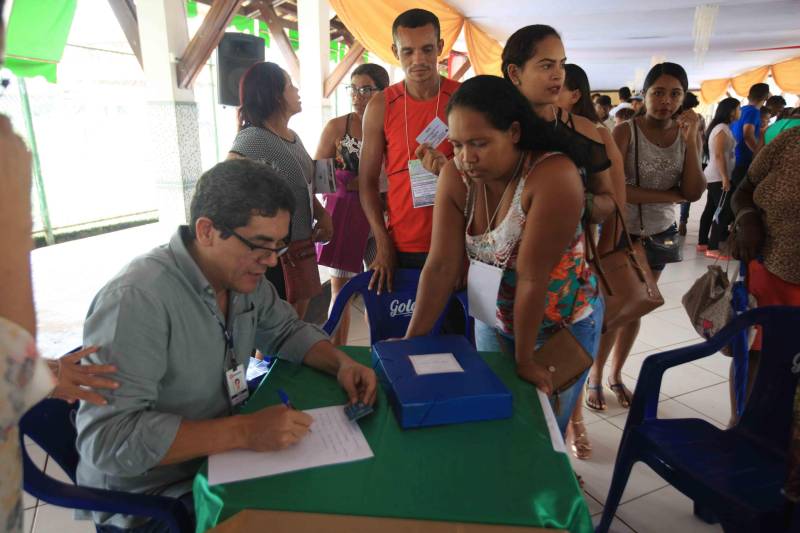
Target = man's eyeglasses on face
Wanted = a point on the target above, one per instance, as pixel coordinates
(361, 91)
(264, 251)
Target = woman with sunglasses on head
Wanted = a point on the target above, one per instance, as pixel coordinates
(352, 244)
(268, 100)
(513, 198)
(575, 98)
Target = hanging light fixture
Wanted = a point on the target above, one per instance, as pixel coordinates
(704, 18)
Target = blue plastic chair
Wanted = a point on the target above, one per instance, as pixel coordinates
(390, 312)
(735, 475)
(50, 424)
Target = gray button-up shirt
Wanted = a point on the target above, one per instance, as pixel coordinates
(159, 323)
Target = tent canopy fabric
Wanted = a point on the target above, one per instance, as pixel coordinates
(615, 41)
(28, 53)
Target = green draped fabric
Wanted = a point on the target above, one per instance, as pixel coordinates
(36, 35)
(496, 472)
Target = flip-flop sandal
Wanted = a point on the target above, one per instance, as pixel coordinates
(597, 389)
(622, 393)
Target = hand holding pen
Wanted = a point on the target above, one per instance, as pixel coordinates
(275, 427)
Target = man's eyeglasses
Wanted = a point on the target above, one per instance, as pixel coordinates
(264, 251)
(361, 91)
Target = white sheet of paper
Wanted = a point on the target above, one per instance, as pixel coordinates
(552, 425)
(483, 284)
(423, 184)
(324, 176)
(435, 363)
(333, 439)
(434, 133)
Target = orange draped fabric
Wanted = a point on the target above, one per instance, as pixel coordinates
(787, 75)
(371, 22)
(712, 90)
(484, 51)
(742, 83)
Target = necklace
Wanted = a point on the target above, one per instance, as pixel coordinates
(490, 221)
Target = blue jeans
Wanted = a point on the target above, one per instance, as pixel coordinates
(587, 331)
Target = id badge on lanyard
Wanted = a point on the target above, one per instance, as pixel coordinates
(483, 285)
(423, 184)
(235, 380)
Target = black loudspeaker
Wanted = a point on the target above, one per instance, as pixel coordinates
(236, 53)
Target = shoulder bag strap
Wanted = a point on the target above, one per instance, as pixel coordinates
(636, 162)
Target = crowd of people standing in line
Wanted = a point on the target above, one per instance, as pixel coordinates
(534, 168)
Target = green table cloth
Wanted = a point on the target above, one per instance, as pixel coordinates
(496, 472)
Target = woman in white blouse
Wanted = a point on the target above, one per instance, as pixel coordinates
(721, 159)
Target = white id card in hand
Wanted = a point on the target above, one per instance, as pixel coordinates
(434, 133)
(324, 176)
(423, 184)
(483, 284)
(237, 385)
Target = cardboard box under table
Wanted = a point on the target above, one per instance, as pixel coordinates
(439, 380)
(485, 474)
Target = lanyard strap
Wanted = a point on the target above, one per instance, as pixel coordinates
(405, 111)
(226, 335)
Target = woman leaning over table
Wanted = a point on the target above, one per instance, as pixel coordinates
(268, 100)
(509, 162)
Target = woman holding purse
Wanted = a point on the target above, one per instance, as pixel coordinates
(268, 100)
(515, 204)
(662, 168)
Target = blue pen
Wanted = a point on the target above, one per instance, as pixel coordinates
(286, 401)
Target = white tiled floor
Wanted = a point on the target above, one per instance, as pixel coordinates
(67, 276)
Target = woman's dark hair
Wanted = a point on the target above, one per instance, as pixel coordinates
(261, 94)
(575, 79)
(521, 46)
(690, 101)
(229, 193)
(376, 73)
(666, 69)
(722, 115)
(502, 105)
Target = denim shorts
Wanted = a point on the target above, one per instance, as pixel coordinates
(587, 331)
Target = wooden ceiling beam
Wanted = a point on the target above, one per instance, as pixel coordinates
(125, 11)
(205, 41)
(341, 70)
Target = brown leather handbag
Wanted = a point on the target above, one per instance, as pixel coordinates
(627, 283)
(562, 355)
(300, 271)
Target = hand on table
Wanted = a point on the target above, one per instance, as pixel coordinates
(77, 381)
(358, 381)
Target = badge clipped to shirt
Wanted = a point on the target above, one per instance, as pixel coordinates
(237, 385)
(434, 133)
(483, 284)
(423, 184)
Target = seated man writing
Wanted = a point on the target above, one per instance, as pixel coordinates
(180, 323)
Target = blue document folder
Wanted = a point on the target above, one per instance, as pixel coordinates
(426, 388)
